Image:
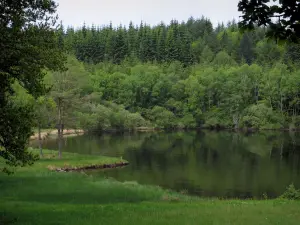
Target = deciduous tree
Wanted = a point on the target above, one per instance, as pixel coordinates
(28, 44)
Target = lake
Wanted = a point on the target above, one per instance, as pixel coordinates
(204, 163)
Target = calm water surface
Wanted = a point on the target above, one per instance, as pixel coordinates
(209, 164)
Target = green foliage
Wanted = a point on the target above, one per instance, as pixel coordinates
(29, 45)
(261, 116)
(67, 90)
(207, 55)
(44, 111)
(268, 52)
(223, 59)
(246, 49)
(163, 118)
(217, 118)
(294, 122)
(187, 42)
(101, 117)
(187, 121)
(291, 193)
(217, 94)
(15, 135)
(261, 13)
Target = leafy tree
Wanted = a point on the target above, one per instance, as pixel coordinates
(44, 114)
(207, 55)
(162, 117)
(261, 116)
(223, 59)
(267, 52)
(292, 54)
(281, 17)
(66, 89)
(28, 46)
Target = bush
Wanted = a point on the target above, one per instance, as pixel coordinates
(294, 123)
(188, 121)
(107, 116)
(291, 193)
(162, 117)
(134, 120)
(261, 116)
(217, 118)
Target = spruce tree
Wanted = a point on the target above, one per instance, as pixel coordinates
(246, 50)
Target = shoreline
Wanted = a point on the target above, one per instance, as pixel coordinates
(77, 132)
(66, 132)
(89, 167)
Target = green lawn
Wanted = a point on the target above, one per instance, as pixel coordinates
(35, 195)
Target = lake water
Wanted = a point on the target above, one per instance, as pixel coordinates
(208, 164)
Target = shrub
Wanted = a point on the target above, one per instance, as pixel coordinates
(162, 117)
(291, 193)
(261, 116)
(217, 118)
(188, 121)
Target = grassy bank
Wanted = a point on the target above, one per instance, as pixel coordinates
(36, 195)
(53, 132)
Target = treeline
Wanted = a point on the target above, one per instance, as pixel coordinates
(221, 94)
(172, 76)
(190, 42)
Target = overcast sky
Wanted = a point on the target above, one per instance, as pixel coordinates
(101, 12)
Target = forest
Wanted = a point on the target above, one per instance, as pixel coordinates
(176, 76)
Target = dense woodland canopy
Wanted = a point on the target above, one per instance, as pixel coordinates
(180, 75)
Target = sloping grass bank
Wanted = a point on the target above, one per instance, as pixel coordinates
(36, 195)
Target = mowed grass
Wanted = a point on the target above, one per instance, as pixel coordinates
(35, 195)
(69, 160)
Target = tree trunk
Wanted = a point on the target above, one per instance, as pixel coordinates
(59, 146)
(270, 100)
(270, 156)
(281, 106)
(59, 129)
(281, 150)
(208, 102)
(235, 119)
(40, 140)
(256, 93)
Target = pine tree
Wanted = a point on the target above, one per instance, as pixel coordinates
(161, 43)
(246, 49)
(61, 34)
(109, 42)
(185, 55)
(132, 38)
(171, 50)
(120, 49)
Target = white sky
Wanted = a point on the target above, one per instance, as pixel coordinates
(101, 12)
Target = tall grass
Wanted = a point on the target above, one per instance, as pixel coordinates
(35, 196)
